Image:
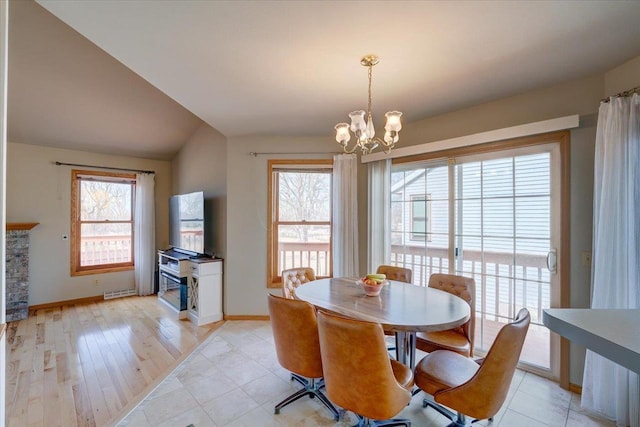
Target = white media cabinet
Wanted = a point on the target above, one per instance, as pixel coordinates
(191, 286)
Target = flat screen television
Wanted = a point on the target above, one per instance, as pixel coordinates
(186, 222)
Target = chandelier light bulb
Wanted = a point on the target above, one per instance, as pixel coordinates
(358, 123)
(393, 121)
(391, 137)
(342, 133)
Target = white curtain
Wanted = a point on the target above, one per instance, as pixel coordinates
(144, 223)
(379, 247)
(345, 215)
(608, 388)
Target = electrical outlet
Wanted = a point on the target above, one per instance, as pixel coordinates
(95, 282)
(586, 258)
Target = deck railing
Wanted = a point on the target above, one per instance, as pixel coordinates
(314, 255)
(96, 250)
(504, 283)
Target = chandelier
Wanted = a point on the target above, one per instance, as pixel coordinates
(363, 129)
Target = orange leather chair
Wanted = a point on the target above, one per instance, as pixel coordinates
(295, 332)
(358, 374)
(461, 338)
(395, 273)
(294, 277)
(474, 389)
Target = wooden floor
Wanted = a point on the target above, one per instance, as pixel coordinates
(88, 364)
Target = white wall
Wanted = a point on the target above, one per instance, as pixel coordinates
(39, 191)
(246, 261)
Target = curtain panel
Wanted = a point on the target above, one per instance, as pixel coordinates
(345, 215)
(144, 233)
(608, 388)
(379, 245)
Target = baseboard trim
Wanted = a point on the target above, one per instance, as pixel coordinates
(67, 302)
(575, 388)
(245, 317)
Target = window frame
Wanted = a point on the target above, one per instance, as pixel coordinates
(274, 279)
(76, 223)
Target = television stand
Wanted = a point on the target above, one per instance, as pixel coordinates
(199, 281)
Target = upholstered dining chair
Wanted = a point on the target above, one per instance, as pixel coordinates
(358, 373)
(395, 273)
(473, 389)
(294, 277)
(460, 339)
(295, 332)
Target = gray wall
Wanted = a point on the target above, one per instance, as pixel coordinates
(200, 165)
(246, 262)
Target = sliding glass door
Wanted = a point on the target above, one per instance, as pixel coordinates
(494, 217)
(504, 220)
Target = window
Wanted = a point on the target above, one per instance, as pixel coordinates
(299, 233)
(101, 222)
(420, 215)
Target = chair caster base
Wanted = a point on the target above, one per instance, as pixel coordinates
(312, 389)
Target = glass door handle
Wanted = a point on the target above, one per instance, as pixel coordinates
(552, 260)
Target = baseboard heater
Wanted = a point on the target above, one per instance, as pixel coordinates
(119, 294)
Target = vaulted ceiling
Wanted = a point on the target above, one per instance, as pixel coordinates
(148, 72)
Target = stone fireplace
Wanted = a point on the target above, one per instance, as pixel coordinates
(17, 270)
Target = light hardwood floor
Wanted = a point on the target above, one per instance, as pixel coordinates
(88, 364)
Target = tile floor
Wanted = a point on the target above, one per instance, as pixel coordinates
(234, 379)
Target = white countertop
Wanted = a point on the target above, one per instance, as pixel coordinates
(614, 334)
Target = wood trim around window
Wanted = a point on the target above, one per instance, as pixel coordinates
(273, 277)
(508, 144)
(75, 268)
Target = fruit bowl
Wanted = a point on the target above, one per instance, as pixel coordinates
(371, 290)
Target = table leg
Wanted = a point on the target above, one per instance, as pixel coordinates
(406, 348)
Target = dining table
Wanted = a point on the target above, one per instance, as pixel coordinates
(402, 308)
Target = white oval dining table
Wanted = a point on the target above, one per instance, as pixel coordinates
(401, 307)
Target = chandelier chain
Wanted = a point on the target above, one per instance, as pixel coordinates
(369, 104)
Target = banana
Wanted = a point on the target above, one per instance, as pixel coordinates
(377, 277)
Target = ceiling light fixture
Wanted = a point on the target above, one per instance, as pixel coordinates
(363, 129)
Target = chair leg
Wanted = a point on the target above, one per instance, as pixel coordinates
(295, 396)
(458, 419)
(367, 422)
(302, 380)
(311, 389)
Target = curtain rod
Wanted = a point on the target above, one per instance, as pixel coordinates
(103, 167)
(255, 154)
(622, 94)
